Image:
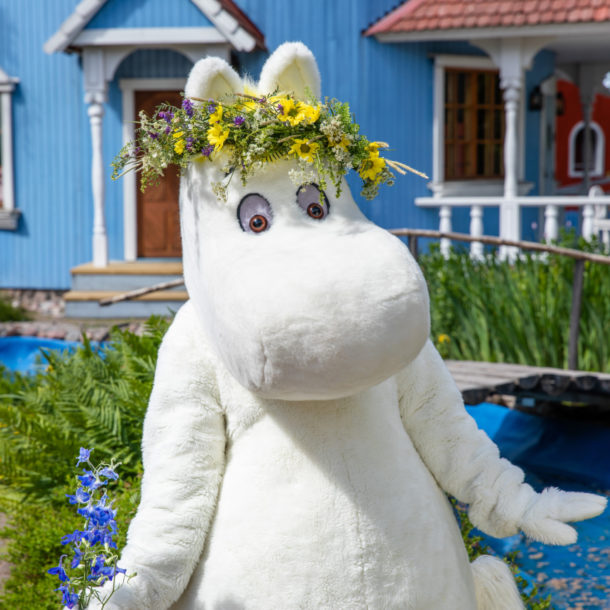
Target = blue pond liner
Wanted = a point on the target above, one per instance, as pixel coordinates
(23, 355)
(574, 456)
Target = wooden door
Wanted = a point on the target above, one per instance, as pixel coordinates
(158, 214)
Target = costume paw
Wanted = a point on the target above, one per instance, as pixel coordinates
(544, 518)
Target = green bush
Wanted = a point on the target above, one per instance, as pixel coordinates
(496, 311)
(8, 313)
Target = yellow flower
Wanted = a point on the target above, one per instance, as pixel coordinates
(305, 149)
(289, 111)
(442, 338)
(217, 135)
(216, 116)
(179, 146)
(371, 167)
(309, 113)
(177, 134)
(344, 143)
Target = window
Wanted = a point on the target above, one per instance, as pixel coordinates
(473, 125)
(576, 154)
(8, 215)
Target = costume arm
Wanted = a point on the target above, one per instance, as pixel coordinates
(467, 464)
(183, 448)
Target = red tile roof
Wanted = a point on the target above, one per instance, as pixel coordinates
(426, 15)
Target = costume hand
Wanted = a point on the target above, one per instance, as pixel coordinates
(544, 519)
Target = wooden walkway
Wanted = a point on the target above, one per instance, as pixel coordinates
(480, 381)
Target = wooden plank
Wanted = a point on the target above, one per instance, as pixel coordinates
(478, 380)
(98, 295)
(134, 268)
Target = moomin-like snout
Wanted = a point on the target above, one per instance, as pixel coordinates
(325, 319)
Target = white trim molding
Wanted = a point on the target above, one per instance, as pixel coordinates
(128, 87)
(226, 30)
(9, 216)
(598, 152)
(147, 37)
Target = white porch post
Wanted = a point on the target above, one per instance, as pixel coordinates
(512, 56)
(95, 96)
(510, 216)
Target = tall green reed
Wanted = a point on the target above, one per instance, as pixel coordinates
(500, 311)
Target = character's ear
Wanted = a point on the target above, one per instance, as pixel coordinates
(291, 68)
(212, 78)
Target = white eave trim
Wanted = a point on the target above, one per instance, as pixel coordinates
(226, 24)
(72, 30)
(73, 25)
(101, 37)
(554, 29)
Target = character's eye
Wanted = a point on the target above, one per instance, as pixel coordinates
(313, 201)
(254, 213)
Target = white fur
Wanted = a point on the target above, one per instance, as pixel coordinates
(494, 585)
(212, 78)
(302, 428)
(292, 68)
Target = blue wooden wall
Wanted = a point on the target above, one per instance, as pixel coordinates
(389, 88)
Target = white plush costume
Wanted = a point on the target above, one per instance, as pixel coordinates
(302, 426)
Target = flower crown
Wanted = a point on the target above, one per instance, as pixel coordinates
(253, 130)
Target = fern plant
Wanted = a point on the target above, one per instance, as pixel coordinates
(93, 397)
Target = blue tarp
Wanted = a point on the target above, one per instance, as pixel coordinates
(23, 355)
(574, 456)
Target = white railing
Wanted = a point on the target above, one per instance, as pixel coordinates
(594, 211)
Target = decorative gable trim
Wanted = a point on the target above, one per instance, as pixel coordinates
(73, 25)
(231, 23)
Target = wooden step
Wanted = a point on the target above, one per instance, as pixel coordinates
(131, 268)
(98, 295)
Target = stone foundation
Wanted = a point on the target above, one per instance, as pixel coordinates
(48, 303)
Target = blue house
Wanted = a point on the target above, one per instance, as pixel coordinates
(466, 95)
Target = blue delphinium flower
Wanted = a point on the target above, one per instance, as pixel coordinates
(59, 570)
(83, 455)
(93, 560)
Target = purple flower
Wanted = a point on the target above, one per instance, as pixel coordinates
(280, 108)
(153, 135)
(168, 129)
(212, 108)
(187, 106)
(238, 121)
(206, 151)
(166, 115)
(189, 146)
(83, 455)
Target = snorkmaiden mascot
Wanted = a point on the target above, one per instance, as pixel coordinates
(302, 429)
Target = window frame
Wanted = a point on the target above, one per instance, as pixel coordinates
(599, 152)
(440, 186)
(9, 216)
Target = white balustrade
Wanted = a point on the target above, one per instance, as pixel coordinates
(445, 227)
(594, 210)
(476, 230)
(551, 223)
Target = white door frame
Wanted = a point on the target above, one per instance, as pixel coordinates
(128, 87)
